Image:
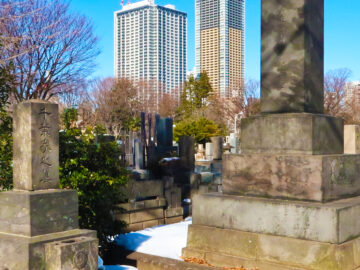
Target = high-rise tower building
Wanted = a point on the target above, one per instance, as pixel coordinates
(150, 44)
(220, 40)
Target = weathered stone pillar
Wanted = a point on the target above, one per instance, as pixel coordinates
(37, 214)
(292, 56)
(292, 78)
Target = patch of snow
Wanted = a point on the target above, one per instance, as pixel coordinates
(100, 264)
(119, 267)
(165, 240)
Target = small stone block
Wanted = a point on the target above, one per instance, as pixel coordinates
(334, 222)
(28, 253)
(173, 212)
(146, 215)
(352, 139)
(292, 133)
(38, 212)
(36, 146)
(174, 220)
(162, 202)
(73, 253)
(151, 203)
(134, 227)
(150, 223)
(143, 189)
(123, 217)
(173, 197)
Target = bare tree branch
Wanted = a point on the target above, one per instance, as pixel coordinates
(52, 50)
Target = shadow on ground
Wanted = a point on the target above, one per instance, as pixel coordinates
(117, 255)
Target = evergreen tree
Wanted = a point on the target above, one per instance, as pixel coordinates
(5, 130)
(194, 97)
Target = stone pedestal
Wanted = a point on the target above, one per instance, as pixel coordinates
(39, 228)
(300, 177)
(292, 133)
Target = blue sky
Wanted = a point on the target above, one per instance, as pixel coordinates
(342, 33)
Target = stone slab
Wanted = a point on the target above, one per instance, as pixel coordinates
(232, 248)
(146, 215)
(303, 177)
(140, 205)
(38, 212)
(28, 253)
(352, 139)
(174, 212)
(292, 133)
(334, 222)
(151, 262)
(173, 197)
(173, 220)
(36, 145)
(292, 56)
(144, 189)
(73, 253)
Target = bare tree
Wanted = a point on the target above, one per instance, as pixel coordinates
(51, 49)
(335, 82)
(116, 104)
(168, 105)
(243, 102)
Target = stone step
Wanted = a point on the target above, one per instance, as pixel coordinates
(334, 222)
(230, 248)
(151, 262)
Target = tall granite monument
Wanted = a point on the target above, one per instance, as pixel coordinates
(38, 221)
(291, 200)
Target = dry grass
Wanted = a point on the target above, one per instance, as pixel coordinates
(203, 262)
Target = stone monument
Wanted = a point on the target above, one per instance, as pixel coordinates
(38, 221)
(291, 200)
(217, 147)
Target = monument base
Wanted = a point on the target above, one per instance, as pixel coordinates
(292, 133)
(29, 253)
(232, 248)
(301, 177)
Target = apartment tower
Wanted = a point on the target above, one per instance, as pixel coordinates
(220, 50)
(150, 45)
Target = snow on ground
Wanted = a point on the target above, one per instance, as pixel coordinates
(120, 267)
(165, 241)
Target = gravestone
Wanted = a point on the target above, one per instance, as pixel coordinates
(217, 143)
(187, 152)
(234, 143)
(291, 200)
(138, 155)
(209, 151)
(38, 214)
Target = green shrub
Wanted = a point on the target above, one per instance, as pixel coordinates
(6, 140)
(201, 129)
(96, 173)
